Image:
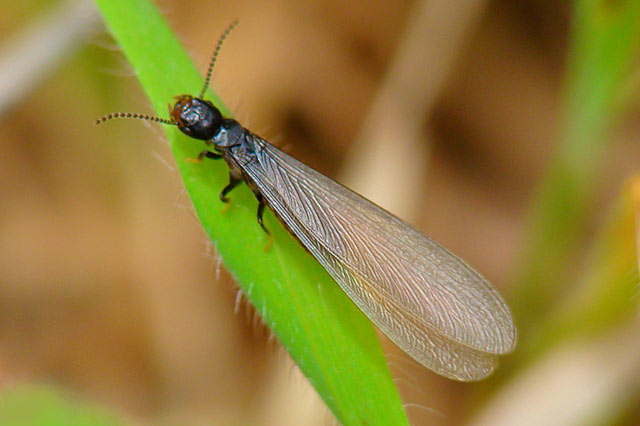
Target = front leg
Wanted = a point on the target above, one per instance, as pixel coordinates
(233, 182)
(203, 154)
(209, 154)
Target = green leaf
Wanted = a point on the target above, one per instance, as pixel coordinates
(36, 405)
(331, 341)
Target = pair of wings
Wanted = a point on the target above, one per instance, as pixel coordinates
(428, 301)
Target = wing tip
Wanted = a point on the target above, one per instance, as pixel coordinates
(474, 374)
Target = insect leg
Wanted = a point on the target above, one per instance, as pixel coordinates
(233, 182)
(209, 154)
(203, 154)
(261, 205)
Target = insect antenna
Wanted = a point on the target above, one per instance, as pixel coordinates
(223, 36)
(135, 115)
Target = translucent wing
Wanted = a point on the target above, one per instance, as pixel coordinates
(423, 297)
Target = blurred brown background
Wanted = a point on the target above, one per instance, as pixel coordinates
(108, 287)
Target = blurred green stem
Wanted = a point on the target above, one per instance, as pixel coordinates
(604, 41)
(605, 295)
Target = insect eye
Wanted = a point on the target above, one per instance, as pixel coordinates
(191, 116)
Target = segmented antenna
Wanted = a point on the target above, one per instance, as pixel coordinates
(133, 115)
(215, 56)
